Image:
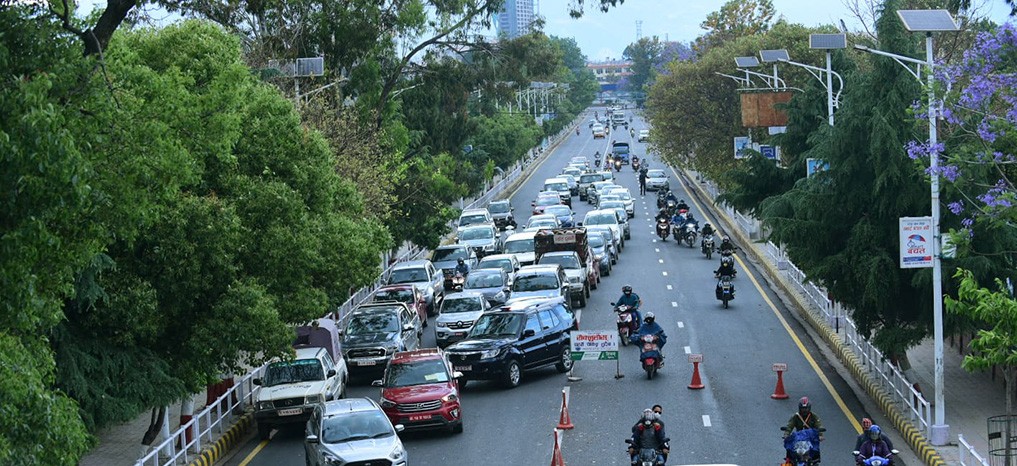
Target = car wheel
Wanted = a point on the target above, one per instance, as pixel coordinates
(595, 282)
(607, 271)
(565, 362)
(264, 430)
(582, 300)
(513, 374)
(586, 290)
(457, 428)
(628, 235)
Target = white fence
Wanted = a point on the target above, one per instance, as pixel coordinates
(965, 450)
(207, 425)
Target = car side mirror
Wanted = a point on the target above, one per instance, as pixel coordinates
(579, 224)
(311, 438)
(529, 333)
(376, 383)
(331, 373)
(399, 427)
(256, 380)
(457, 375)
(533, 204)
(613, 304)
(407, 327)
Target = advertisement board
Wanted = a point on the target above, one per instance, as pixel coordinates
(916, 242)
(594, 345)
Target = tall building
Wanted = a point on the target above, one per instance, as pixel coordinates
(516, 18)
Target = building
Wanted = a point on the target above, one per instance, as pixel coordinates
(609, 72)
(516, 18)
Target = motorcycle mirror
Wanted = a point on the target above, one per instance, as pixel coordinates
(856, 452)
(613, 304)
(628, 441)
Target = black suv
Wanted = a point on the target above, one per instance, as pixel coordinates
(526, 335)
(372, 333)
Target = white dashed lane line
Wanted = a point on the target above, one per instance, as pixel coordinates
(706, 420)
(660, 260)
(674, 304)
(681, 324)
(688, 350)
(665, 273)
(670, 287)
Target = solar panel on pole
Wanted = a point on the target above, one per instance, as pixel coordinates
(746, 62)
(771, 56)
(927, 20)
(827, 41)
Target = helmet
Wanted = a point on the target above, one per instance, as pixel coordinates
(727, 239)
(874, 432)
(648, 415)
(804, 404)
(461, 261)
(706, 224)
(649, 317)
(627, 289)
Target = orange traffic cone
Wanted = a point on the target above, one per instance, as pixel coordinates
(697, 382)
(778, 392)
(564, 421)
(556, 459)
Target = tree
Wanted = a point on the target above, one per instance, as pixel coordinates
(645, 55)
(736, 18)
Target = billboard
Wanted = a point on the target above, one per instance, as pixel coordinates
(916, 242)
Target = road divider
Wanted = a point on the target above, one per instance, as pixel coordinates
(778, 391)
(697, 382)
(564, 420)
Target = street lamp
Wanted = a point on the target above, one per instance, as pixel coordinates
(929, 21)
(773, 82)
(780, 55)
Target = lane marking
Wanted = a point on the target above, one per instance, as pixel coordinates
(250, 456)
(665, 273)
(656, 249)
(681, 324)
(706, 420)
(688, 350)
(674, 304)
(670, 287)
(851, 417)
(660, 260)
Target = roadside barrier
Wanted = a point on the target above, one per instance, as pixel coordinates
(697, 382)
(778, 391)
(556, 458)
(564, 421)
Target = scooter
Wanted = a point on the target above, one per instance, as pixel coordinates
(458, 281)
(690, 234)
(650, 355)
(803, 445)
(663, 226)
(617, 165)
(876, 460)
(626, 324)
(725, 290)
(707, 246)
(647, 456)
(635, 164)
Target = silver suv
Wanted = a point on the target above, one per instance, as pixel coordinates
(424, 276)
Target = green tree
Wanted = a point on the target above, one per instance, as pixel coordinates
(736, 18)
(645, 55)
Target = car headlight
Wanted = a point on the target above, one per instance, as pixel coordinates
(449, 398)
(574, 280)
(387, 403)
(398, 453)
(491, 353)
(313, 399)
(440, 324)
(263, 405)
(489, 247)
(598, 257)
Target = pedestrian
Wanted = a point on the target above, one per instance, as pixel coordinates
(642, 183)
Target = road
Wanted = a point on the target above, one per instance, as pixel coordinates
(732, 420)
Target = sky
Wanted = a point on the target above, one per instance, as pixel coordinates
(605, 35)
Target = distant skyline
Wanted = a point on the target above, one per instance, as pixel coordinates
(605, 35)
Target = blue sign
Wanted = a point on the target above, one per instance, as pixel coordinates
(813, 166)
(769, 152)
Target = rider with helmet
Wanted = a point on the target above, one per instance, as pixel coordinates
(804, 418)
(682, 205)
(462, 267)
(649, 433)
(726, 245)
(874, 446)
(651, 327)
(632, 300)
(708, 229)
(864, 436)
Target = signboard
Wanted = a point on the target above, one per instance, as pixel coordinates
(740, 144)
(696, 357)
(594, 345)
(916, 246)
(779, 367)
(567, 237)
(813, 166)
(769, 152)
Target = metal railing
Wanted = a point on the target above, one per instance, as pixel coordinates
(211, 421)
(965, 450)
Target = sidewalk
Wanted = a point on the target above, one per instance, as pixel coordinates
(971, 398)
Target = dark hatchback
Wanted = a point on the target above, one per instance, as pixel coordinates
(502, 344)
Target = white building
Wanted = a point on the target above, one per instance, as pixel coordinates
(516, 18)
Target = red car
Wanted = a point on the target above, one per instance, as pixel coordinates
(403, 294)
(420, 391)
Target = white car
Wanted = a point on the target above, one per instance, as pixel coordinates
(656, 179)
(626, 197)
(521, 244)
(290, 389)
(607, 217)
(644, 135)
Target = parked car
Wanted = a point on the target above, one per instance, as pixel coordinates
(445, 258)
(474, 217)
(656, 179)
(372, 333)
(483, 239)
(352, 431)
(494, 284)
(501, 211)
(419, 391)
(406, 294)
(290, 389)
(521, 245)
(458, 313)
(423, 275)
(503, 344)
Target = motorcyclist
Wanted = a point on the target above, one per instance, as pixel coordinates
(726, 245)
(662, 214)
(708, 229)
(648, 433)
(864, 436)
(651, 327)
(632, 132)
(874, 446)
(632, 300)
(726, 268)
(804, 418)
(462, 267)
(682, 205)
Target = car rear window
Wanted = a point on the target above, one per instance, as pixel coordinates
(454, 305)
(472, 219)
(568, 262)
(535, 282)
(591, 178)
(450, 254)
(408, 276)
(504, 264)
(519, 246)
(601, 219)
(483, 280)
(499, 208)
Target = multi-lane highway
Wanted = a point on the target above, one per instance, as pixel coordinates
(732, 420)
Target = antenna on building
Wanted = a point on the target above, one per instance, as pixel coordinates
(639, 29)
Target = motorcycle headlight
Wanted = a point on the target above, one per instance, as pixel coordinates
(492, 353)
(263, 405)
(313, 399)
(387, 403)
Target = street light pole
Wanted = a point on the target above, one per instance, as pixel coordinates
(829, 87)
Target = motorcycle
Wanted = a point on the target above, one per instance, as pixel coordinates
(726, 261)
(725, 290)
(597, 162)
(650, 355)
(626, 324)
(458, 281)
(707, 246)
(671, 206)
(876, 460)
(648, 456)
(690, 234)
(663, 226)
(803, 445)
(635, 164)
(661, 198)
(617, 165)
(632, 133)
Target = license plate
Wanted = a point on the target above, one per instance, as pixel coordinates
(420, 417)
(365, 363)
(459, 334)
(289, 412)
(463, 368)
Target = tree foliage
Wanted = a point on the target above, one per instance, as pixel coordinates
(736, 18)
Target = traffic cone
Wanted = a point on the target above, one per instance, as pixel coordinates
(564, 421)
(697, 383)
(778, 391)
(556, 459)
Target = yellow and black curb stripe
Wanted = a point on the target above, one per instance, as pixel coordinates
(210, 454)
(914, 437)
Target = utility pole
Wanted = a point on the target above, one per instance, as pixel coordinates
(639, 29)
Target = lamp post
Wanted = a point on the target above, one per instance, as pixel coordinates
(816, 41)
(929, 21)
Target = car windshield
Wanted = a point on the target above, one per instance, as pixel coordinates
(484, 280)
(543, 223)
(535, 282)
(560, 210)
(568, 262)
(403, 296)
(623, 195)
(601, 219)
(612, 205)
(300, 370)
(504, 264)
(655, 174)
(455, 305)
(548, 201)
(556, 187)
(449, 254)
(472, 219)
(590, 178)
(499, 207)
(373, 322)
(519, 246)
(497, 325)
(353, 426)
(596, 241)
(476, 233)
(416, 373)
(408, 276)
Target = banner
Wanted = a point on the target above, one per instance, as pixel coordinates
(594, 345)
(916, 242)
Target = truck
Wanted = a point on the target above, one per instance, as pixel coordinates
(620, 150)
(562, 244)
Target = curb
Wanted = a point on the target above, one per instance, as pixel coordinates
(210, 454)
(914, 437)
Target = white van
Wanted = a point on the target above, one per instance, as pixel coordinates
(521, 245)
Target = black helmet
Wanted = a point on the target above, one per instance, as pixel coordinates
(627, 289)
(461, 260)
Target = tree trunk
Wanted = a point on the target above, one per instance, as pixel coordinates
(154, 426)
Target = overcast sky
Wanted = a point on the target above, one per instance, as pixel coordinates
(605, 35)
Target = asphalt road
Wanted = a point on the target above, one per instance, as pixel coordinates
(732, 420)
